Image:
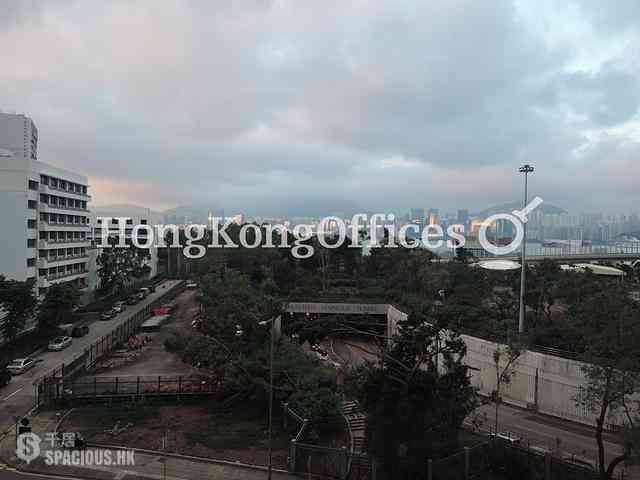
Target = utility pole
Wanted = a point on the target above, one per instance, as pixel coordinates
(526, 169)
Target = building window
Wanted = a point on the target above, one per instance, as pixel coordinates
(33, 185)
(114, 221)
(44, 180)
(31, 243)
(31, 223)
(129, 221)
(32, 204)
(31, 262)
(143, 221)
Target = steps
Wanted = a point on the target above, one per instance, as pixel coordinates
(357, 422)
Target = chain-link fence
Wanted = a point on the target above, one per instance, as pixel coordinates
(53, 385)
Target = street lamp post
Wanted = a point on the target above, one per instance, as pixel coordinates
(526, 169)
(271, 348)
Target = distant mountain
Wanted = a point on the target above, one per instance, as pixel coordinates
(189, 214)
(283, 206)
(546, 208)
(124, 207)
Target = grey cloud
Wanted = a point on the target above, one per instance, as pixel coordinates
(252, 103)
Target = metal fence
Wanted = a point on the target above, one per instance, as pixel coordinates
(88, 389)
(321, 461)
(51, 386)
(502, 459)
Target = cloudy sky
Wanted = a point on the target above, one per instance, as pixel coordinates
(273, 106)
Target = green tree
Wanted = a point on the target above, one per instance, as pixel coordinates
(18, 301)
(120, 265)
(505, 358)
(57, 306)
(542, 280)
(417, 397)
(610, 326)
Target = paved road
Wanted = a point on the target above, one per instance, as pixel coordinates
(14, 475)
(17, 398)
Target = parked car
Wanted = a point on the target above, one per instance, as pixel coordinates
(80, 331)
(145, 292)
(59, 343)
(119, 306)
(108, 315)
(5, 377)
(578, 462)
(191, 284)
(171, 306)
(21, 365)
(132, 300)
(506, 437)
(140, 296)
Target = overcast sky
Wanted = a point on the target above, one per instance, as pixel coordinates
(266, 106)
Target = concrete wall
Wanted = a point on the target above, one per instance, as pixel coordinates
(542, 382)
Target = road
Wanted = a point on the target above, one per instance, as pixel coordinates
(15, 475)
(17, 398)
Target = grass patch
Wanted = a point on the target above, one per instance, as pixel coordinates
(244, 427)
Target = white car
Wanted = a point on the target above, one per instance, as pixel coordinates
(191, 285)
(59, 343)
(21, 365)
(119, 307)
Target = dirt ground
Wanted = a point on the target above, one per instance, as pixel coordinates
(153, 359)
(192, 428)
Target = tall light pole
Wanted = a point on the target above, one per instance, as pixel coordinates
(526, 169)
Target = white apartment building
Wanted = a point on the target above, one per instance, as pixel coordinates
(44, 213)
(107, 218)
(19, 135)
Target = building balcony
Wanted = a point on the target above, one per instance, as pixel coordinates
(61, 260)
(59, 243)
(45, 281)
(70, 227)
(60, 191)
(63, 209)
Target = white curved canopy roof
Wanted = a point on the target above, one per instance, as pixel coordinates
(498, 265)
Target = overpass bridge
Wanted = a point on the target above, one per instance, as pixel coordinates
(629, 252)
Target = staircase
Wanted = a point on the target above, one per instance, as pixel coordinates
(357, 423)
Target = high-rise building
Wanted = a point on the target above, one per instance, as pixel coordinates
(463, 217)
(417, 215)
(45, 219)
(433, 216)
(19, 135)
